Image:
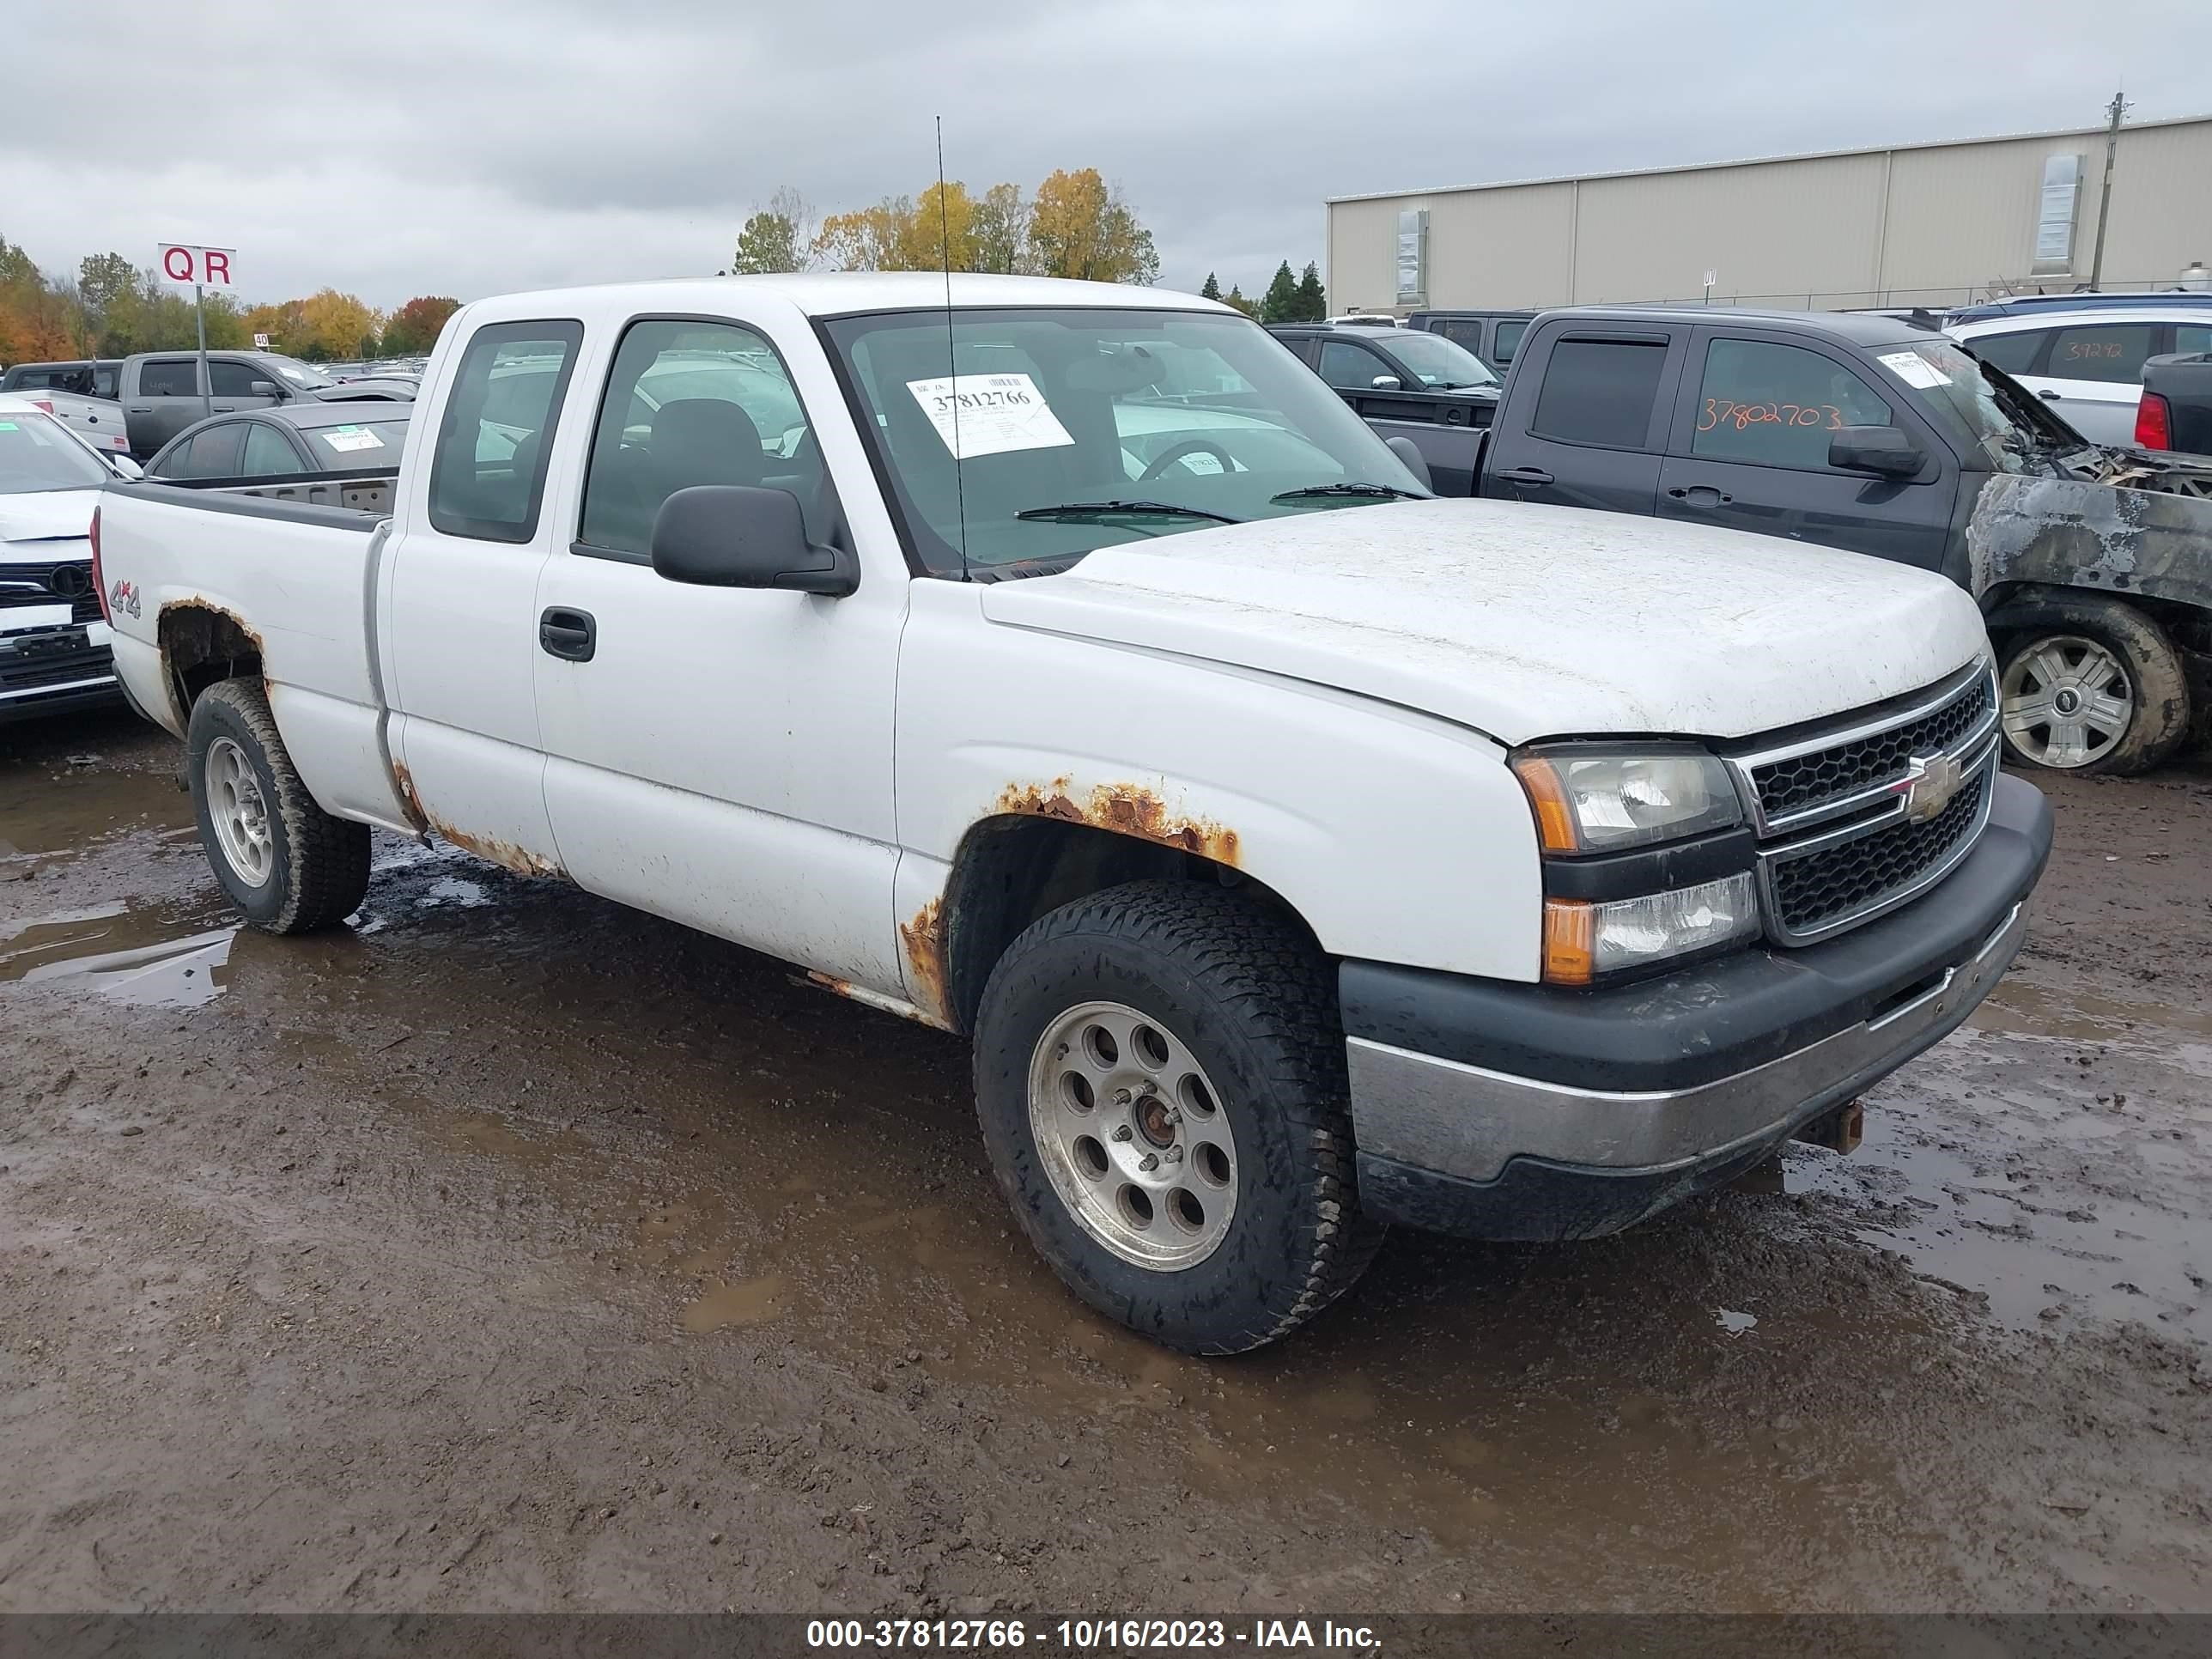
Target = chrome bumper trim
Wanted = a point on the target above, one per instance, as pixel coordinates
(1463, 1121)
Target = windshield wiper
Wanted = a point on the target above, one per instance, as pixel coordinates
(1069, 510)
(1355, 487)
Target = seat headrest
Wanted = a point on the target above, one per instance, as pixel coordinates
(705, 441)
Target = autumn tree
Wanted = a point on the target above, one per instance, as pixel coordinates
(1235, 299)
(412, 329)
(1209, 290)
(876, 237)
(1312, 299)
(1080, 228)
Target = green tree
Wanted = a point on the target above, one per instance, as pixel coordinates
(998, 235)
(1235, 299)
(1312, 299)
(1280, 302)
(775, 239)
(1209, 290)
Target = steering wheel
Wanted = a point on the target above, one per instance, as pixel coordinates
(1168, 457)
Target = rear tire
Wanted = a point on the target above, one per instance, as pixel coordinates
(1220, 1023)
(289, 865)
(2094, 686)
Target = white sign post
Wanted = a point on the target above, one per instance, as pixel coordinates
(1710, 275)
(200, 268)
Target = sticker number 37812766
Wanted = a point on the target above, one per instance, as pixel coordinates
(988, 414)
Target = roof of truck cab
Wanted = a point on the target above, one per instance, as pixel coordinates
(1858, 327)
(837, 293)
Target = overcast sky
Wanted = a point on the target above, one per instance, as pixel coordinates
(473, 146)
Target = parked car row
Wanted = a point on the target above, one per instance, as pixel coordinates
(55, 654)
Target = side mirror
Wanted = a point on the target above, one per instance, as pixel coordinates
(264, 389)
(738, 536)
(1410, 456)
(1385, 383)
(126, 467)
(1886, 450)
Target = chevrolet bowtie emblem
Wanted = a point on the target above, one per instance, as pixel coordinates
(1930, 782)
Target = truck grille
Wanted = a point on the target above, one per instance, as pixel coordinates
(1853, 820)
(1805, 780)
(1838, 881)
(67, 582)
(56, 670)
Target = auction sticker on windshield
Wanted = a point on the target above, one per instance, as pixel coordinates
(1915, 370)
(352, 437)
(989, 414)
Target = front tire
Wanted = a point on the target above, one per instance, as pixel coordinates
(287, 865)
(1159, 1072)
(2096, 687)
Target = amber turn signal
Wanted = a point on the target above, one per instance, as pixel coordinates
(1569, 941)
(1555, 818)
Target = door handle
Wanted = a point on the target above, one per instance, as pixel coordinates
(571, 635)
(1702, 496)
(225, 408)
(2048, 395)
(1526, 475)
(142, 409)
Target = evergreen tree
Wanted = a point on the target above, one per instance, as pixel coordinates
(1212, 290)
(1235, 300)
(1312, 302)
(1280, 302)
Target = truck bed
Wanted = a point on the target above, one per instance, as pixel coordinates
(282, 572)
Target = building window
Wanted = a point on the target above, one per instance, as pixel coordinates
(2054, 222)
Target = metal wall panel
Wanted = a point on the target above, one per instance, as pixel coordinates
(1934, 224)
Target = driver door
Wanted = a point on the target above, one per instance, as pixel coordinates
(720, 755)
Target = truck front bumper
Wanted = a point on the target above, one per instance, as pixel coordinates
(1504, 1111)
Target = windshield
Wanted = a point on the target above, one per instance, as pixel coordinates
(1982, 409)
(1198, 416)
(299, 373)
(36, 455)
(1442, 364)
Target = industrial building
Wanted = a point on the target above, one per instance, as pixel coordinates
(1912, 224)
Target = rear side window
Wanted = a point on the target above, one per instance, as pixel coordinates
(1777, 405)
(1509, 342)
(1601, 393)
(213, 454)
(2108, 351)
(172, 379)
(268, 453)
(2013, 352)
(488, 477)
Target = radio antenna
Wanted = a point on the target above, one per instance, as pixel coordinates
(951, 368)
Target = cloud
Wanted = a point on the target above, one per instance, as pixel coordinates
(472, 148)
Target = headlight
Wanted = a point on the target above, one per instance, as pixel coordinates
(1595, 800)
(1585, 940)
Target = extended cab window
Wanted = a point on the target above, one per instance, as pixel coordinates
(1600, 392)
(1776, 405)
(487, 475)
(173, 379)
(686, 403)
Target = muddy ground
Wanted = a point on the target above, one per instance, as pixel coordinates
(511, 1250)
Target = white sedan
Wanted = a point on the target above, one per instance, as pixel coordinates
(54, 638)
(2087, 364)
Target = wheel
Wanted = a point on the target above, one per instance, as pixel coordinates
(2099, 688)
(289, 864)
(1159, 1070)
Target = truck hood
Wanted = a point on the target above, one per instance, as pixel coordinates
(45, 515)
(1524, 622)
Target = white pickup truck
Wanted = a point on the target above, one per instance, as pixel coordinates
(1066, 666)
